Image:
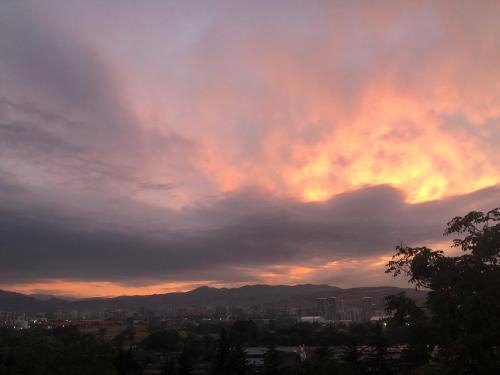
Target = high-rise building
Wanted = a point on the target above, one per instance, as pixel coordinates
(321, 307)
(366, 308)
(327, 308)
(353, 314)
(341, 311)
(331, 308)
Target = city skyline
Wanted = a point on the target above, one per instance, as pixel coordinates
(157, 147)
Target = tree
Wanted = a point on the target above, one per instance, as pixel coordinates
(119, 340)
(236, 363)
(57, 352)
(321, 362)
(378, 361)
(125, 363)
(271, 361)
(185, 361)
(162, 341)
(230, 359)
(169, 368)
(221, 353)
(464, 293)
(101, 332)
(353, 352)
(416, 326)
(129, 333)
(35, 353)
(243, 332)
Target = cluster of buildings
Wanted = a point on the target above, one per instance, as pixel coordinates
(14, 319)
(327, 309)
(333, 309)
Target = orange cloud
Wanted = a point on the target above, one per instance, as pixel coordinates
(409, 105)
(85, 289)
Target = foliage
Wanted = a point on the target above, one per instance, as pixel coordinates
(126, 364)
(464, 294)
(236, 362)
(456, 332)
(412, 319)
(185, 362)
(378, 361)
(169, 368)
(164, 340)
(221, 354)
(60, 352)
(243, 332)
(272, 361)
(230, 358)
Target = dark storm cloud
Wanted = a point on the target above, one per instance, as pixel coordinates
(245, 230)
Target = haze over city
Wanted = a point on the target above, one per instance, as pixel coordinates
(151, 147)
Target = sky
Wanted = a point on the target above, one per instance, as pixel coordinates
(151, 147)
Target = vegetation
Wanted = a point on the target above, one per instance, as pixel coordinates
(68, 351)
(62, 351)
(463, 301)
(456, 332)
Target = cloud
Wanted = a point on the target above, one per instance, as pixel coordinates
(236, 142)
(242, 231)
(64, 120)
(306, 102)
(313, 101)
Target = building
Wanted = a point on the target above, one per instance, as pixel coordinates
(321, 307)
(312, 319)
(366, 308)
(341, 311)
(331, 309)
(353, 314)
(327, 308)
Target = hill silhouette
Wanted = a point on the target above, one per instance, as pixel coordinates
(248, 295)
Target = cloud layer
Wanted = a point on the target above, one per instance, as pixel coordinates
(230, 142)
(243, 237)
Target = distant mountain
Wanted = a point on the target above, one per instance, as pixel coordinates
(11, 301)
(249, 295)
(46, 297)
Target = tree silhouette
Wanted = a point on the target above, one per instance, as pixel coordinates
(413, 321)
(125, 363)
(165, 340)
(378, 361)
(271, 361)
(169, 367)
(464, 293)
(221, 353)
(236, 362)
(185, 361)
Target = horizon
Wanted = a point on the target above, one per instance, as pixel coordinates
(148, 148)
(77, 298)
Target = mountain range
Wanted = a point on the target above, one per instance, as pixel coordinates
(249, 295)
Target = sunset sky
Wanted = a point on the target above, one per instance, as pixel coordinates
(156, 146)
